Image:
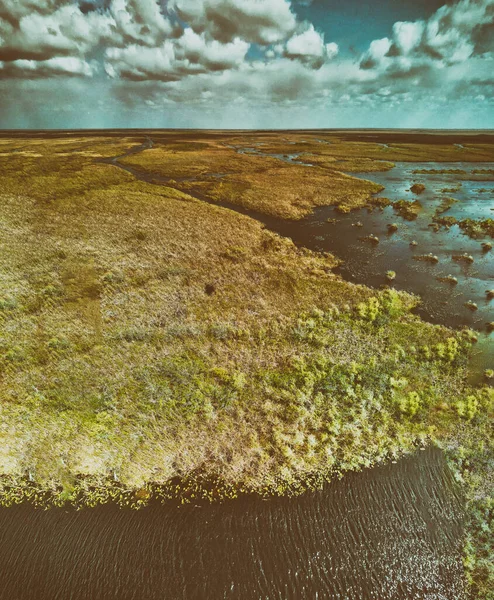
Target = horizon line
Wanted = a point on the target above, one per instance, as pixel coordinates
(250, 129)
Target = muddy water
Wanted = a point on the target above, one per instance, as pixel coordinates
(388, 533)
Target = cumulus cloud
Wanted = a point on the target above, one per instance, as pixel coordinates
(140, 21)
(376, 54)
(40, 36)
(309, 48)
(151, 54)
(192, 53)
(67, 66)
(453, 34)
(13, 10)
(212, 54)
(256, 21)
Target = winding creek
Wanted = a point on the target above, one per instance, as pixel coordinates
(392, 532)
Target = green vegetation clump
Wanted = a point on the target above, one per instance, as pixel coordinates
(372, 238)
(446, 204)
(483, 171)
(448, 279)
(407, 210)
(463, 258)
(379, 201)
(440, 171)
(471, 454)
(446, 222)
(477, 228)
(417, 188)
(430, 258)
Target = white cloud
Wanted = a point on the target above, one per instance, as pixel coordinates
(332, 50)
(451, 35)
(13, 10)
(41, 36)
(211, 54)
(60, 65)
(141, 63)
(407, 36)
(140, 21)
(308, 43)
(255, 21)
(378, 49)
(174, 59)
(309, 47)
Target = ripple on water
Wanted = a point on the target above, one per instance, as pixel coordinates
(392, 532)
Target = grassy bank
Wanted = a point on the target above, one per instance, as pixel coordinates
(151, 343)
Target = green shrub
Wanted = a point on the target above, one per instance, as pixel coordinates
(467, 409)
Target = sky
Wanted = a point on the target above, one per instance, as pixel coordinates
(246, 64)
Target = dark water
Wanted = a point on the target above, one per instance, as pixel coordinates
(367, 263)
(388, 533)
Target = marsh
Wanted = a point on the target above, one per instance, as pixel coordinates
(187, 322)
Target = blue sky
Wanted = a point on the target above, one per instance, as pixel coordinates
(355, 23)
(246, 63)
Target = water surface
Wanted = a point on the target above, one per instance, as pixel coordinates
(388, 533)
(346, 236)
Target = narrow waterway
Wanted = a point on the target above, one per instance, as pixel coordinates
(388, 533)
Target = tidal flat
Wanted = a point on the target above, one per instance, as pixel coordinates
(196, 316)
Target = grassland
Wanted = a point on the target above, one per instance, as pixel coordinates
(287, 190)
(154, 344)
(294, 190)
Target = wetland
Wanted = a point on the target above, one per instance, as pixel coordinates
(275, 321)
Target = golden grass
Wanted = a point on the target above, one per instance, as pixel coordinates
(294, 190)
(146, 334)
(332, 146)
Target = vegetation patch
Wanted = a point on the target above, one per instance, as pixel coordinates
(379, 202)
(440, 171)
(446, 222)
(445, 205)
(477, 228)
(417, 188)
(407, 210)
